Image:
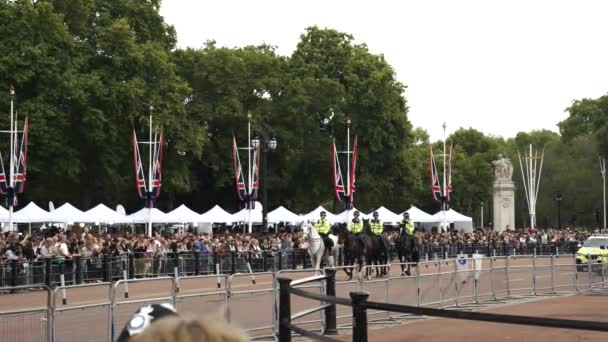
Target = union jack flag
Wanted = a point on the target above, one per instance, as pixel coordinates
(255, 174)
(449, 177)
(157, 166)
(140, 177)
(241, 190)
(435, 185)
(338, 182)
(3, 183)
(20, 174)
(344, 193)
(352, 175)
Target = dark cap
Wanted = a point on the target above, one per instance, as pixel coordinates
(143, 317)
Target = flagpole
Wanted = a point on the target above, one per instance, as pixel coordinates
(443, 200)
(603, 172)
(249, 193)
(149, 190)
(348, 189)
(13, 131)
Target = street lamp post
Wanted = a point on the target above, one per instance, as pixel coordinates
(603, 172)
(558, 198)
(267, 145)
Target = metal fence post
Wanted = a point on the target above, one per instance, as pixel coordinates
(131, 260)
(264, 259)
(78, 262)
(14, 265)
(280, 254)
(589, 272)
(492, 288)
(293, 260)
(534, 274)
(197, 263)
(48, 272)
(508, 270)
(358, 300)
(330, 311)
(284, 310)
(233, 262)
(106, 268)
(553, 274)
(50, 317)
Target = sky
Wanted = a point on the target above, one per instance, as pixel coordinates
(500, 67)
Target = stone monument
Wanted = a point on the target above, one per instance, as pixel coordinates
(504, 195)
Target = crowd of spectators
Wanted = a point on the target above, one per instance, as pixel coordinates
(55, 243)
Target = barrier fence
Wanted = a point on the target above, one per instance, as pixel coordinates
(360, 304)
(80, 270)
(98, 311)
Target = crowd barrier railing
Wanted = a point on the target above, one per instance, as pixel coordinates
(441, 283)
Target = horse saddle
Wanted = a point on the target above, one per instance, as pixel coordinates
(327, 242)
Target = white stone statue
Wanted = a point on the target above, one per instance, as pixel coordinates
(503, 169)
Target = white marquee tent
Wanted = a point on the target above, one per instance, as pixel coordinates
(419, 216)
(216, 215)
(386, 216)
(183, 214)
(31, 213)
(103, 214)
(243, 216)
(342, 217)
(460, 221)
(142, 216)
(67, 213)
(314, 215)
(281, 214)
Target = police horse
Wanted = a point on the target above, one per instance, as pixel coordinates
(319, 250)
(408, 251)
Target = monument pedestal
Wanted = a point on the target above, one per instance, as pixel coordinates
(504, 205)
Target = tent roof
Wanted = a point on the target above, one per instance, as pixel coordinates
(69, 214)
(452, 216)
(183, 214)
(281, 214)
(243, 216)
(141, 216)
(216, 215)
(102, 214)
(342, 217)
(316, 214)
(386, 215)
(418, 215)
(31, 213)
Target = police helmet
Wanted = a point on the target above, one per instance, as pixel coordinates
(375, 214)
(323, 213)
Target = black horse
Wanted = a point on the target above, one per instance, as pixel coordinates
(355, 249)
(380, 249)
(408, 251)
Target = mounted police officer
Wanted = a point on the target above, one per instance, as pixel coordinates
(406, 226)
(323, 227)
(376, 225)
(356, 225)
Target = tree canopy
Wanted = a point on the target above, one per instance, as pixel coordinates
(88, 72)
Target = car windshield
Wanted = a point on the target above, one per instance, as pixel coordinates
(596, 243)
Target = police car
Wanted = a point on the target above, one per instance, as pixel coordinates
(594, 250)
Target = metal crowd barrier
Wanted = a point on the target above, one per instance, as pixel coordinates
(66, 310)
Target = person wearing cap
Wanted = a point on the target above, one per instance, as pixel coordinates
(406, 226)
(376, 225)
(323, 225)
(356, 225)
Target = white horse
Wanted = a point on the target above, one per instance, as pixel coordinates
(316, 247)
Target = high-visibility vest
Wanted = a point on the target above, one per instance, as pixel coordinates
(356, 227)
(377, 227)
(323, 226)
(408, 227)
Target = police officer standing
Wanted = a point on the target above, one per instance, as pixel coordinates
(356, 225)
